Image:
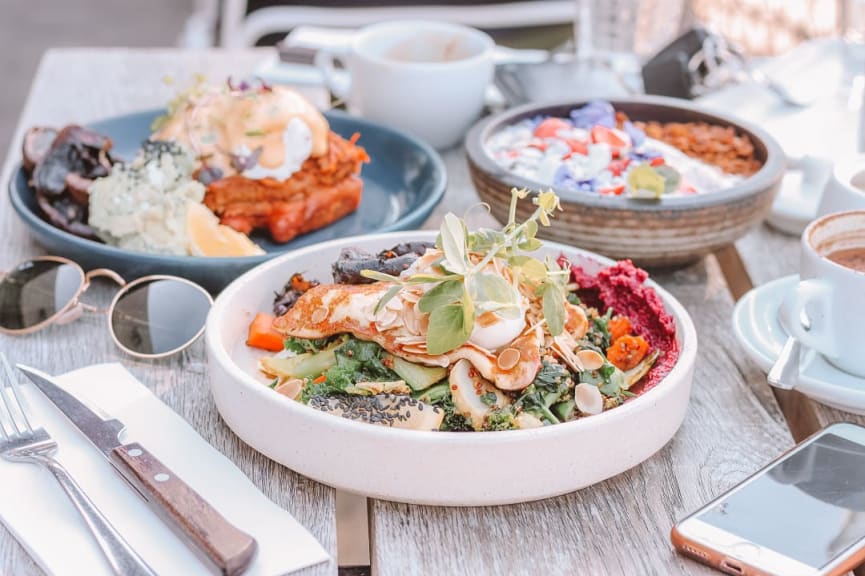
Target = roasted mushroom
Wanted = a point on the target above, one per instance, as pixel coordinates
(63, 165)
(75, 149)
(352, 261)
(37, 143)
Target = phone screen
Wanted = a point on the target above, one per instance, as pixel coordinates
(809, 507)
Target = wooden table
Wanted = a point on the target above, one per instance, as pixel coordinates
(732, 427)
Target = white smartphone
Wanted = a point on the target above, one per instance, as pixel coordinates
(801, 515)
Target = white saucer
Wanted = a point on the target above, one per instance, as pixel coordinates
(755, 323)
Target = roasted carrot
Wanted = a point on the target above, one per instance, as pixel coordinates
(262, 335)
(618, 326)
(320, 379)
(627, 351)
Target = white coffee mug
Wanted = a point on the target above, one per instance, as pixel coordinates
(845, 189)
(427, 78)
(832, 295)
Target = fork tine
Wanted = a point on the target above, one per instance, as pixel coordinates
(9, 382)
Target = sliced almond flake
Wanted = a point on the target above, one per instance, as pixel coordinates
(564, 350)
(320, 314)
(588, 398)
(590, 359)
(423, 323)
(394, 304)
(508, 358)
(385, 316)
(414, 349)
(410, 320)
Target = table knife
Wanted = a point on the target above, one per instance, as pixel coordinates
(222, 546)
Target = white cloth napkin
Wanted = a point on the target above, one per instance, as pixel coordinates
(37, 512)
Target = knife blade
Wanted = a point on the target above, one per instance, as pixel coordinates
(222, 546)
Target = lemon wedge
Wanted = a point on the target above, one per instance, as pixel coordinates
(207, 237)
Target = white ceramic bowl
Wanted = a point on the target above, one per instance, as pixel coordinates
(440, 468)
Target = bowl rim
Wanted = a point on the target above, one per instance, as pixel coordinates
(217, 352)
(36, 223)
(769, 174)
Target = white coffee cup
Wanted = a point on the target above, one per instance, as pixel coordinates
(427, 78)
(845, 189)
(831, 295)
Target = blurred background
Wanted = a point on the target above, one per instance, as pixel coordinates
(641, 27)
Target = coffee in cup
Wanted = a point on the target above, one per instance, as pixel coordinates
(831, 290)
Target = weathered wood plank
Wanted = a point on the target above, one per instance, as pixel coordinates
(768, 255)
(620, 526)
(85, 85)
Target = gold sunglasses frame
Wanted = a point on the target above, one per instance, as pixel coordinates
(74, 308)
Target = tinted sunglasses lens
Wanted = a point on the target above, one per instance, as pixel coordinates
(159, 316)
(36, 291)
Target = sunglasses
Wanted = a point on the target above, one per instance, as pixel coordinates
(151, 317)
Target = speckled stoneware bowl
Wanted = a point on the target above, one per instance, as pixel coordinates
(666, 232)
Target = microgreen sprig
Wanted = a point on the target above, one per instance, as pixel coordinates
(464, 288)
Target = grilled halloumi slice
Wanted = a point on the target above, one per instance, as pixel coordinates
(400, 329)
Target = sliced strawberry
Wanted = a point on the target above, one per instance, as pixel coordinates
(600, 135)
(578, 146)
(550, 127)
(538, 143)
(612, 190)
(616, 167)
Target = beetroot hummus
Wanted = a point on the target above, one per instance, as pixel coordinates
(622, 287)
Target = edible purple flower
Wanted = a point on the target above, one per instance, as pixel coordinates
(644, 155)
(243, 162)
(241, 87)
(595, 113)
(636, 135)
(208, 174)
(565, 180)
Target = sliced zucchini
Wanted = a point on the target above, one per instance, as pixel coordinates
(564, 410)
(634, 375)
(301, 366)
(434, 394)
(415, 375)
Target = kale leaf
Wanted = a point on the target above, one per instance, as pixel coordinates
(453, 421)
(301, 345)
(551, 385)
(500, 419)
(597, 337)
(356, 361)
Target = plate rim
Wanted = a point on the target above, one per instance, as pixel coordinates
(35, 222)
(217, 352)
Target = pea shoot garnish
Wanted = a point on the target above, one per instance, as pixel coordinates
(468, 285)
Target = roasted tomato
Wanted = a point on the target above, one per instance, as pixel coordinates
(627, 351)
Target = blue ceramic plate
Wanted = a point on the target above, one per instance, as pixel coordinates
(403, 182)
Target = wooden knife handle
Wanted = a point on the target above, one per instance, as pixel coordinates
(227, 548)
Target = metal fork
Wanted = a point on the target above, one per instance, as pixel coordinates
(21, 442)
